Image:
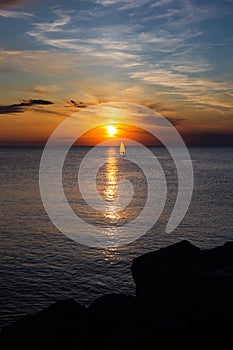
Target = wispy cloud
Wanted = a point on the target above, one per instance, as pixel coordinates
(115, 55)
(178, 80)
(131, 4)
(44, 89)
(160, 3)
(158, 38)
(180, 13)
(110, 42)
(61, 43)
(128, 44)
(187, 64)
(198, 90)
(188, 68)
(107, 2)
(176, 67)
(165, 41)
(160, 77)
(53, 26)
(15, 14)
(42, 62)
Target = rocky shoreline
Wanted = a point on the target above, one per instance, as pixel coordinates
(184, 298)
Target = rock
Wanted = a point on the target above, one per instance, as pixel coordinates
(155, 273)
(185, 273)
(184, 299)
(111, 306)
(118, 321)
(195, 284)
(110, 321)
(62, 324)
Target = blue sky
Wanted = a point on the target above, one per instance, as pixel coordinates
(174, 56)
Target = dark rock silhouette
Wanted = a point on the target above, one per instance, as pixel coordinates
(62, 324)
(196, 284)
(156, 274)
(184, 298)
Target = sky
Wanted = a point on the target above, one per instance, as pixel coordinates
(58, 58)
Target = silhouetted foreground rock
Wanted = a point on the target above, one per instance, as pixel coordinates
(184, 298)
(62, 324)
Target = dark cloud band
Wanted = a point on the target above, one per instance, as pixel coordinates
(18, 108)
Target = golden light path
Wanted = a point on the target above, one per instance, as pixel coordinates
(110, 192)
(111, 130)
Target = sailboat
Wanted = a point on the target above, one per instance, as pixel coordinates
(122, 149)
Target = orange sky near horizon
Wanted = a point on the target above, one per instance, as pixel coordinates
(100, 134)
(33, 128)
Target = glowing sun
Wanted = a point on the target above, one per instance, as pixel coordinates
(111, 130)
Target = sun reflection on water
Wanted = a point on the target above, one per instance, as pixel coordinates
(110, 192)
(110, 187)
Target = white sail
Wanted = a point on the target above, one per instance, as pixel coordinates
(122, 149)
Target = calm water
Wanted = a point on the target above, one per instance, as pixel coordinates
(39, 265)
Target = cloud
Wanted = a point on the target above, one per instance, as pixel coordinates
(73, 103)
(129, 4)
(161, 77)
(33, 102)
(192, 68)
(165, 111)
(107, 2)
(126, 44)
(175, 120)
(10, 109)
(53, 26)
(94, 42)
(44, 89)
(49, 32)
(15, 14)
(179, 81)
(115, 55)
(160, 3)
(73, 44)
(180, 14)
(163, 40)
(108, 43)
(18, 108)
(189, 89)
(165, 37)
(42, 62)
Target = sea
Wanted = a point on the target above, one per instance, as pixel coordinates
(40, 265)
